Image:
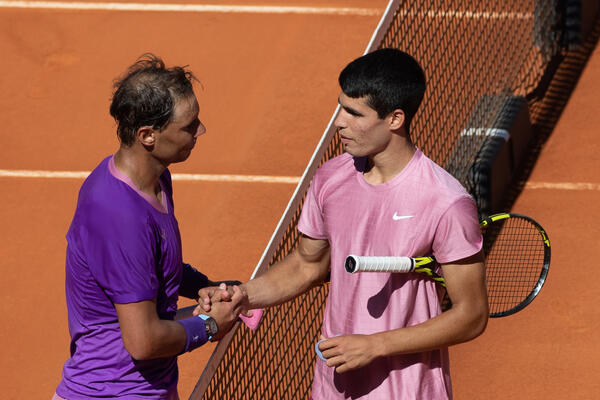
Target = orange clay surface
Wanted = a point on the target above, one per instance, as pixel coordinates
(269, 87)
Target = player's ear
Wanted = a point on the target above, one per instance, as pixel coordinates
(146, 135)
(397, 119)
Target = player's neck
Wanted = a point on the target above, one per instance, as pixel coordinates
(141, 168)
(386, 165)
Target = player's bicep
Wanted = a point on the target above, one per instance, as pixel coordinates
(136, 320)
(314, 256)
(465, 283)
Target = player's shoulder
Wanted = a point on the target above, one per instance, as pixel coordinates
(443, 195)
(337, 161)
(439, 180)
(104, 197)
(339, 166)
(95, 183)
(334, 172)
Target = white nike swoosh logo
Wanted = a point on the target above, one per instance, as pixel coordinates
(397, 217)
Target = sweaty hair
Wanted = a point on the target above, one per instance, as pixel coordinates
(146, 96)
(389, 79)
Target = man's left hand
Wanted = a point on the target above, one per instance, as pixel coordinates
(349, 352)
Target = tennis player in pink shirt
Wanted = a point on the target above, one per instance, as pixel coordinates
(385, 336)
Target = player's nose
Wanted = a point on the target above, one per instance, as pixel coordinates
(339, 121)
(201, 130)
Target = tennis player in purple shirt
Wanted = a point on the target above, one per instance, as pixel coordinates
(124, 268)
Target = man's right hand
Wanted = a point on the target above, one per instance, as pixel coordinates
(212, 294)
(225, 308)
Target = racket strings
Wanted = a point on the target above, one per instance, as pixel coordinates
(515, 250)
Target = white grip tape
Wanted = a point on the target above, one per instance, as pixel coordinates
(379, 264)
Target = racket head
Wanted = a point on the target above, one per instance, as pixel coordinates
(517, 252)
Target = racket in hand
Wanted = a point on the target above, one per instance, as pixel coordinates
(517, 253)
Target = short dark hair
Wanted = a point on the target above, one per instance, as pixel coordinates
(390, 79)
(146, 96)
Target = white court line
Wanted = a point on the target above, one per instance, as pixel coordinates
(57, 5)
(236, 178)
(563, 185)
(7, 173)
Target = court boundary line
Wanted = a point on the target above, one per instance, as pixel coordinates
(563, 185)
(7, 173)
(214, 8)
(186, 177)
(206, 8)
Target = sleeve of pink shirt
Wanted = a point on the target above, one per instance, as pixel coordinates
(311, 219)
(458, 234)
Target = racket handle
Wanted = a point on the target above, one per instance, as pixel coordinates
(379, 264)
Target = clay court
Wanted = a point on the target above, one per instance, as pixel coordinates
(269, 87)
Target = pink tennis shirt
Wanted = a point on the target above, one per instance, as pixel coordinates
(422, 211)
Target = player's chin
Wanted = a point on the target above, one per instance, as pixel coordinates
(355, 151)
(184, 155)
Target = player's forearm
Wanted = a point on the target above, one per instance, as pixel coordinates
(192, 281)
(285, 281)
(161, 338)
(458, 325)
(465, 283)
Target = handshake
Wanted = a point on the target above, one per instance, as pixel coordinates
(226, 302)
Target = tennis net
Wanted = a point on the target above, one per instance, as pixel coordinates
(482, 62)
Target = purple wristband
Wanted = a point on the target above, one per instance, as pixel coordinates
(195, 331)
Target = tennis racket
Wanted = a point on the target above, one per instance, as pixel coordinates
(517, 252)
